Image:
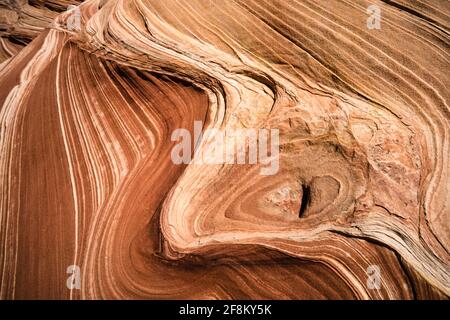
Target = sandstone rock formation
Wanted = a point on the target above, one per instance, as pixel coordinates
(87, 177)
(21, 21)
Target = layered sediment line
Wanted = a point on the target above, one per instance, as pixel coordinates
(87, 116)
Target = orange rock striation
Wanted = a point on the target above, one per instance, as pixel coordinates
(87, 177)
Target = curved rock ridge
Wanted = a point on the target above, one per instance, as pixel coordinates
(21, 21)
(362, 187)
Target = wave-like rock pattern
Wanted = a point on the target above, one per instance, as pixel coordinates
(22, 20)
(87, 178)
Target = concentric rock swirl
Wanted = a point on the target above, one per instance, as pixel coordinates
(87, 179)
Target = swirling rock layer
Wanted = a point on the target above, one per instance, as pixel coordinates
(87, 177)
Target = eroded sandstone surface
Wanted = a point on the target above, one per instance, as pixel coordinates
(87, 179)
